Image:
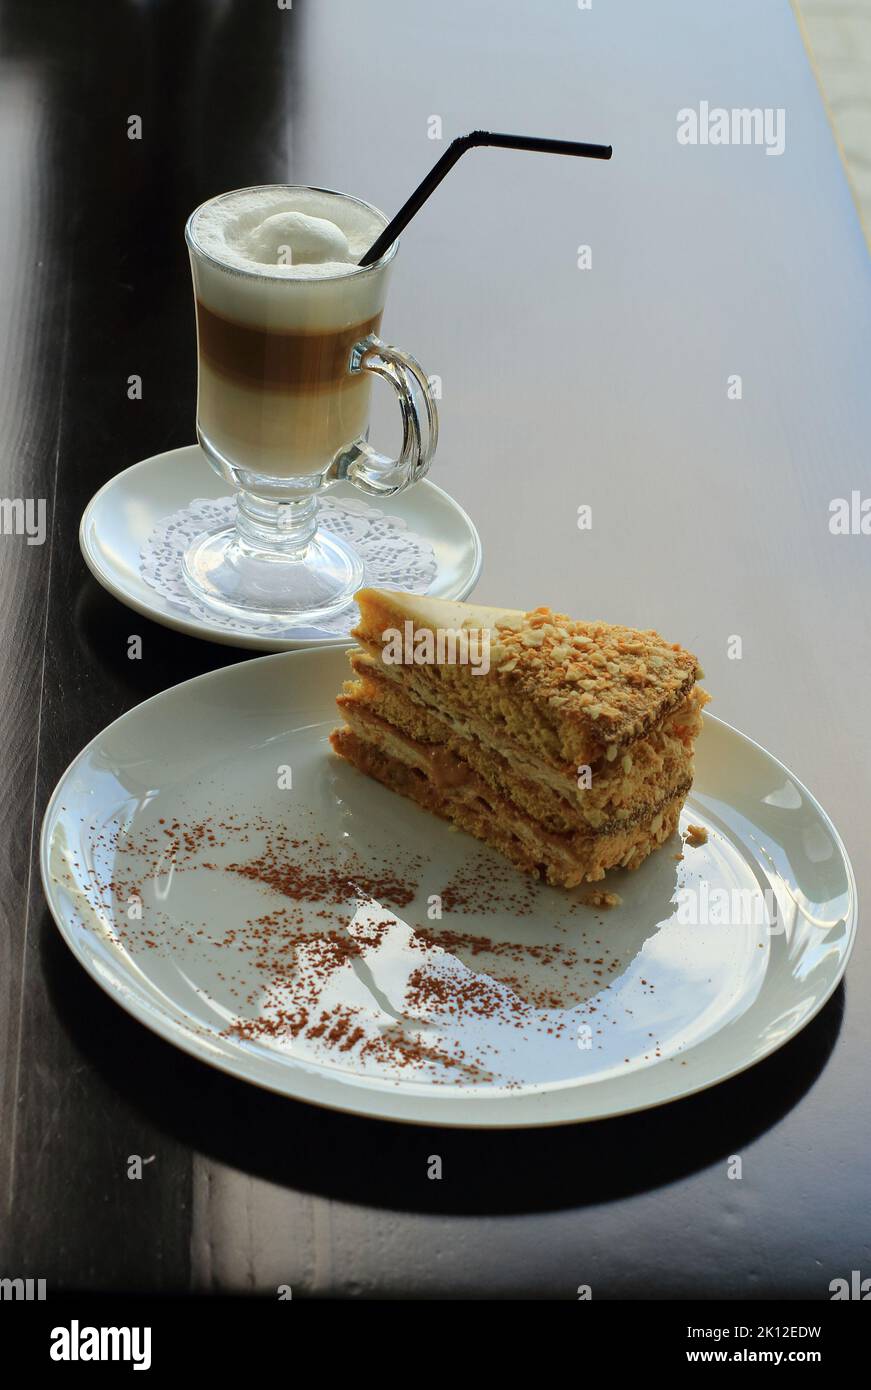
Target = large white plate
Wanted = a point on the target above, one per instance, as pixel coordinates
(122, 515)
(674, 1008)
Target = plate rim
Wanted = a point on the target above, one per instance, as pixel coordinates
(248, 642)
(386, 1104)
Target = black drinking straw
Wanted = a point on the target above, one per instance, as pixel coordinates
(448, 160)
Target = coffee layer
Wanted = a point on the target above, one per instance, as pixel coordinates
(281, 360)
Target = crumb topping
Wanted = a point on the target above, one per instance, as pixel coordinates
(617, 679)
(599, 897)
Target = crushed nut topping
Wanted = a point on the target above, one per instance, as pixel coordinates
(617, 682)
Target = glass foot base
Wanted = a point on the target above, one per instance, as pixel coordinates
(268, 587)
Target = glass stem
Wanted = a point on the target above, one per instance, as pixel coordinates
(283, 528)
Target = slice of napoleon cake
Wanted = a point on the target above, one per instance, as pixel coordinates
(565, 744)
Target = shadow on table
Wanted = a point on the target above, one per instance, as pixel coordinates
(380, 1164)
(105, 628)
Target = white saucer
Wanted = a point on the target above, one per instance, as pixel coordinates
(123, 514)
(603, 1013)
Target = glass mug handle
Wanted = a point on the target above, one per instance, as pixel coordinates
(364, 466)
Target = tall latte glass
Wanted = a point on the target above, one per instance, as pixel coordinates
(287, 339)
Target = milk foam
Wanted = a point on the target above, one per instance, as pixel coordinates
(238, 276)
(292, 238)
(298, 233)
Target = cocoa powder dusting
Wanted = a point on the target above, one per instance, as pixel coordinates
(327, 913)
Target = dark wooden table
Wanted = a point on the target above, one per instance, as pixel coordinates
(606, 387)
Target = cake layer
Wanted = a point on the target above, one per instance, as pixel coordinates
(448, 750)
(564, 860)
(566, 691)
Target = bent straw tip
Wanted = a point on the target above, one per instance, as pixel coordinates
(458, 147)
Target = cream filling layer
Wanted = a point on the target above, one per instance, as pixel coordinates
(550, 775)
(455, 781)
(608, 779)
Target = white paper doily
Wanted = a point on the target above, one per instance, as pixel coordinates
(393, 556)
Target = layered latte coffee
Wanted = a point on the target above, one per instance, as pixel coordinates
(281, 304)
(288, 343)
